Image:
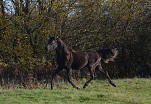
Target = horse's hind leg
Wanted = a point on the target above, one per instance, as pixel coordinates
(92, 72)
(69, 70)
(106, 74)
(91, 78)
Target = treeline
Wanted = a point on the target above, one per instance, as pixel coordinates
(25, 26)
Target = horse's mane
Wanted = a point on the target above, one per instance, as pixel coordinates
(108, 53)
(66, 50)
(62, 43)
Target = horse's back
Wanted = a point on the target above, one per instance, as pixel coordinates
(80, 59)
(93, 56)
(83, 58)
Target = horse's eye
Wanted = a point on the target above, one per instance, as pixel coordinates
(50, 43)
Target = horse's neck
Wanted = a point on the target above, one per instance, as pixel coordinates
(60, 51)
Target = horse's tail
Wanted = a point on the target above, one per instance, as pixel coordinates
(108, 54)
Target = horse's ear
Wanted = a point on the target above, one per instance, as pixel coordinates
(56, 37)
(49, 36)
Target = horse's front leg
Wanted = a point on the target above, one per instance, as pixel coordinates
(69, 71)
(107, 75)
(54, 74)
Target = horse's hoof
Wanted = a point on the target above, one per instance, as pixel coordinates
(51, 88)
(113, 85)
(78, 88)
(84, 87)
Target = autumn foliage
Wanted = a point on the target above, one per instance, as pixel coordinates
(25, 26)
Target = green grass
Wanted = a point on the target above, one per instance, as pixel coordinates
(128, 91)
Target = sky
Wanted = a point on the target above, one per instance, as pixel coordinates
(9, 6)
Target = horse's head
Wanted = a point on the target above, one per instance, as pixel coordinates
(56, 43)
(52, 43)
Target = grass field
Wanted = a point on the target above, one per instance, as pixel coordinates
(128, 91)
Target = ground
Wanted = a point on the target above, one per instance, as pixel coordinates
(128, 91)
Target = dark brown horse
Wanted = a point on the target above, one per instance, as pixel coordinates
(69, 59)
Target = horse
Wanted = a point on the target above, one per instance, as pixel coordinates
(69, 59)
